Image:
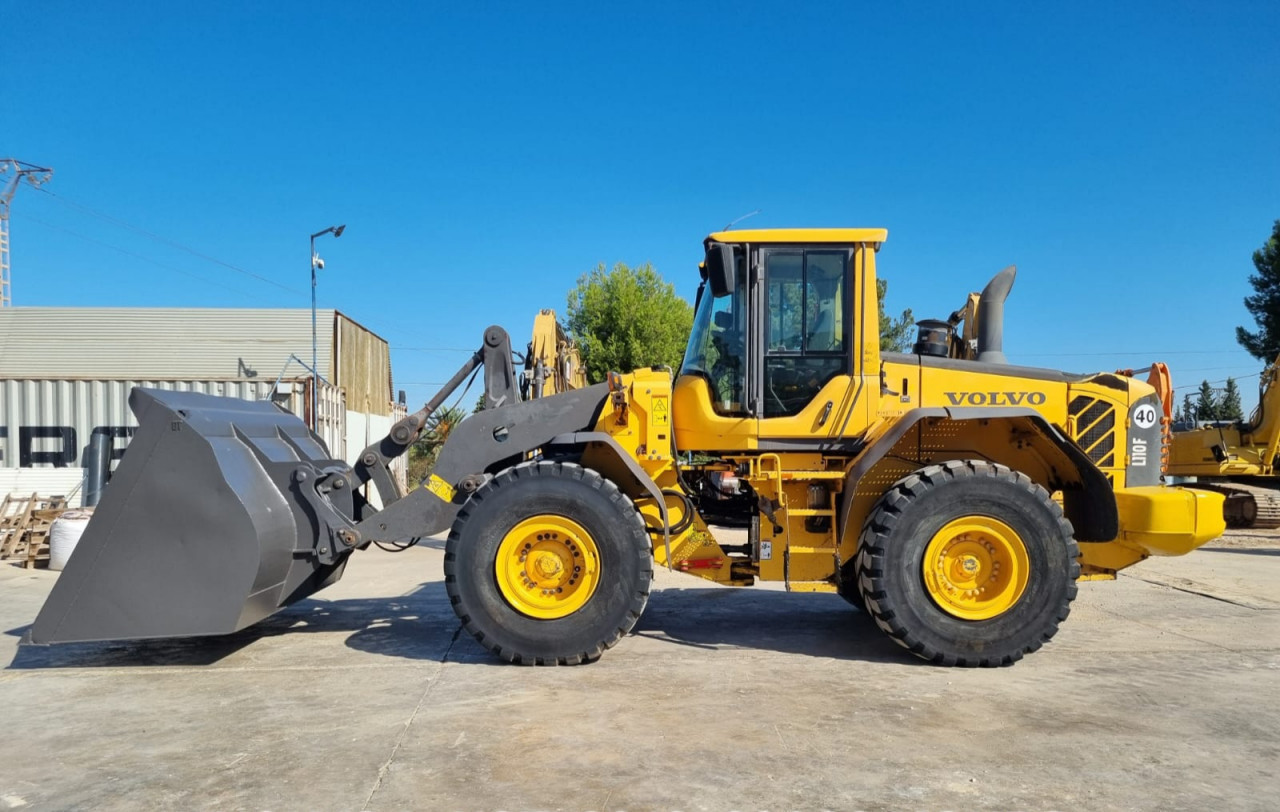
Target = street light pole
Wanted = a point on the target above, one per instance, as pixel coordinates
(317, 262)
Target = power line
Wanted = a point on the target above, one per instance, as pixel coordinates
(166, 241)
(126, 252)
(1207, 369)
(1223, 381)
(1128, 353)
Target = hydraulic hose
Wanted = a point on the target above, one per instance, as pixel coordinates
(686, 519)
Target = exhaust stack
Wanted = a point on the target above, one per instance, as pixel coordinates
(991, 317)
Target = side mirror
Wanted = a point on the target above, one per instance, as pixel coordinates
(720, 269)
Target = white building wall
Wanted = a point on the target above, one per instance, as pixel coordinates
(365, 429)
(68, 482)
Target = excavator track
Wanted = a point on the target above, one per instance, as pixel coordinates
(1247, 506)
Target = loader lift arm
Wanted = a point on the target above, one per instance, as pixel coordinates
(494, 355)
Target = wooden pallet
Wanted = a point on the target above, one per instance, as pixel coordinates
(15, 512)
(25, 522)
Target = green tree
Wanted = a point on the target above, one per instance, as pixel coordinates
(625, 318)
(1188, 409)
(896, 335)
(1184, 413)
(423, 453)
(1230, 408)
(1206, 402)
(1264, 304)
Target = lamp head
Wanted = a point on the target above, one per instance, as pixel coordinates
(337, 232)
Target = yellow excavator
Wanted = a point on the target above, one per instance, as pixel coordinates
(954, 496)
(1238, 459)
(552, 363)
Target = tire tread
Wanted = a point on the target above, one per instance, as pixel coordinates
(878, 534)
(559, 469)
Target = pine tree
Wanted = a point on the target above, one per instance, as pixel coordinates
(1264, 304)
(1206, 403)
(1230, 407)
(1188, 410)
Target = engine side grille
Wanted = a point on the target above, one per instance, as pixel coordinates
(1095, 427)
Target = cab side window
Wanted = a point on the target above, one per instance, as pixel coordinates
(806, 330)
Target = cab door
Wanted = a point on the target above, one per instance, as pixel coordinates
(807, 350)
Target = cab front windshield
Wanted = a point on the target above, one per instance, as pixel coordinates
(717, 348)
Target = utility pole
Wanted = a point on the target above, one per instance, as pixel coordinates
(35, 175)
(317, 262)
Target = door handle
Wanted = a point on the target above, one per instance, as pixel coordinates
(826, 412)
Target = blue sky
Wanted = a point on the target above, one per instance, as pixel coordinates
(1125, 156)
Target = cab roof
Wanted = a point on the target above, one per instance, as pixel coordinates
(803, 235)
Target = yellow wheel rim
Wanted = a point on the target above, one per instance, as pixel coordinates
(976, 567)
(547, 567)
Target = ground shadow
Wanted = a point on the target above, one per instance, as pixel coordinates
(817, 625)
(422, 625)
(1245, 550)
(418, 625)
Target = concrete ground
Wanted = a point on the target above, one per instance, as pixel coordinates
(1162, 691)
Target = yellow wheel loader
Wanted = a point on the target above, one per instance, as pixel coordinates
(1238, 459)
(956, 497)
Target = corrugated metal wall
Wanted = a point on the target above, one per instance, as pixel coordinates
(364, 368)
(73, 368)
(67, 412)
(165, 343)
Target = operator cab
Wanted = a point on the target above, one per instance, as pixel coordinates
(774, 326)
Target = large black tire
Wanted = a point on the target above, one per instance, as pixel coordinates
(891, 575)
(558, 491)
(848, 586)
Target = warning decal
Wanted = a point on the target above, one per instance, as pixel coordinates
(659, 411)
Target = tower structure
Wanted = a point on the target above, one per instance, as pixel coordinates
(12, 173)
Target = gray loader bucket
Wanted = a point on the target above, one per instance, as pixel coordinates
(211, 522)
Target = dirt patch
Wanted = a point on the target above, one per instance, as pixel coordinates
(1247, 539)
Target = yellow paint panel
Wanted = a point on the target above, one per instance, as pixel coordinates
(1169, 521)
(811, 586)
(699, 428)
(850, 236)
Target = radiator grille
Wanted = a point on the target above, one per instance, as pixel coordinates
(1095, 427)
